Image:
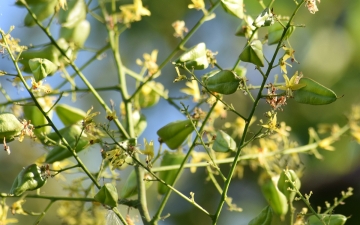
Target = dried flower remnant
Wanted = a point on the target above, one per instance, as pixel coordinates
(276, 102)
(180, 29)
(39, 87)
(311, 6)
(211, 57)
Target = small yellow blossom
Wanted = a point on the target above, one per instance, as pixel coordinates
(272, 124)
(133, 12)
(150, 63)
(291, 84)
(148, 151)
(39, 87)
(289, 54)
(179, 27)
(197, 4)
(192, 89)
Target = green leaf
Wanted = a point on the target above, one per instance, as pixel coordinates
(234, 7)
(223, 82)
(169, 159)
(314, 93)
(253, 53)
(195, 58)
(223, 142)
(333, 219)
(69, 115)
(175, 133)
(264, 218)
(41, 10)
(107, 195)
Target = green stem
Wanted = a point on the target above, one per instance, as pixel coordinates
(77, 70)
(180, 45)
(180, 168)
(237, 155)
(21, 77)
(44, 212)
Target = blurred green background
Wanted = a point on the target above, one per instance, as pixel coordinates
(327, 49)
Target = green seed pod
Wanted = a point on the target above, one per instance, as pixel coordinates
(274, 197)
(71, 135)
(233, 7)
(223, 142)
(32, 113)
(195, 58)
(240, 71)
(284, 184)
(10, 127)
(333, 219)
(75, 13)
(224, 82)
(41, 68)
(107, 195)
(169, 159)
(41, 10)
(253, 53)
(140, 123)
(77, 34)
(314, 93)
(30, 178)
(175, 133)
(147, 96)
(131, 188)
(276, 31)
(264, 218)
(69, 115)
(49, 52)
(266, 18)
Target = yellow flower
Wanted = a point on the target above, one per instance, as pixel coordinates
(150, 63)
(272, 124)
(197, 4)
(133, 12)
(148, 151)
(291, 84)
(289, 53)
(192, 89)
